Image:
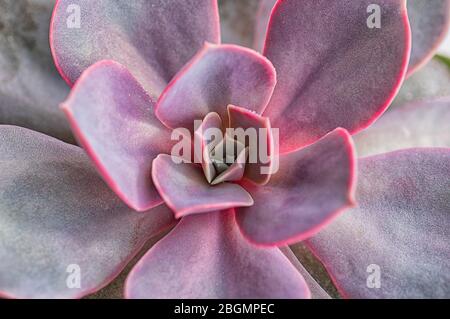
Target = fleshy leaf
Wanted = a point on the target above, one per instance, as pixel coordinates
(205, 256)
(421, 124)
(217, 76)
(241, 118)
(186, 191)
(311, 188)
(30, 88)
(57, 216)
(152, 38)
(430, 82)
(334, 71)
(112, 117)
(115, 289)
(395, 244)
(430, 22)
(210, 122)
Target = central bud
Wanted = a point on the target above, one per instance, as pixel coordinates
(223, 158)
(244, 148)
(226, 160)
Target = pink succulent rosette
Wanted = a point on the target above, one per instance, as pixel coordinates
(141, 70)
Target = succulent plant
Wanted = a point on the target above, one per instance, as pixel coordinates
(85, 185)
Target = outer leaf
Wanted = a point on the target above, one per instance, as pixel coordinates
(333, 70)
(115, 289)
(112, 117)
(215, 77)
(30, 88)
(184, 188)
(421, 124)
(56, 215)
(313, 186)
(205, 256)
(401, 225)
(152, 38)
(430, 22)
(430, 82)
